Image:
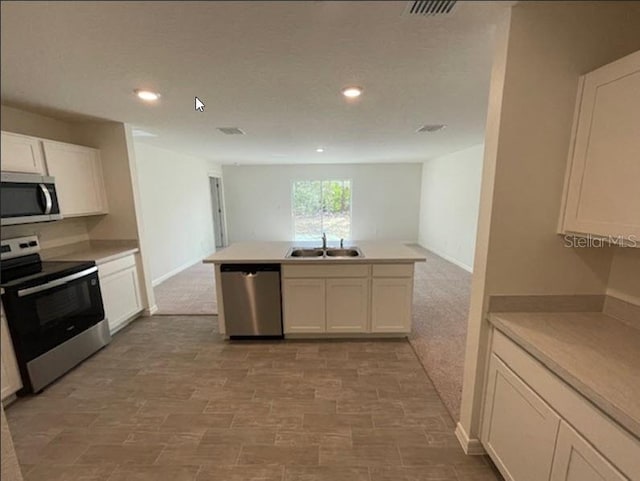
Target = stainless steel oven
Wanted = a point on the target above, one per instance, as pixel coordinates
(55, 314)
(28, 198)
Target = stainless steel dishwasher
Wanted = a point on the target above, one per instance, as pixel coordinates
(252, 301)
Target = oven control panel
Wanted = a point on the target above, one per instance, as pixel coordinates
(19, 246)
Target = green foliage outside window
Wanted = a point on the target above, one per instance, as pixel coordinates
(322, 206)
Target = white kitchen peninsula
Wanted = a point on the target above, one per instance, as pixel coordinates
(323, 296)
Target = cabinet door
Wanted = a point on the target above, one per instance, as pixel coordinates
(391, 304)
(577, 460)
(347, 305)
(21, 153)
(602, 196)
(303, 305)
(9, 373)
(78, 174)
(519, 429)
(120, 296)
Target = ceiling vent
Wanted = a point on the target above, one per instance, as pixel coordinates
(431, 128)
(231, 130)
(430, 8)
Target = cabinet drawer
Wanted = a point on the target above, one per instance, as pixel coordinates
(350, 270)
(112, 267)
(393, 270)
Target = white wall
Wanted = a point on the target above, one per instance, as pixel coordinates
(176, 208)
(449, 205)
(385, 199)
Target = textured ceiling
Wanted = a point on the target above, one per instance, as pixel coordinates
(273, 69)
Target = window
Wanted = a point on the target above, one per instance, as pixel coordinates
(321, 206)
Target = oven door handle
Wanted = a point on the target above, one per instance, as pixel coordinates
(47, 198)
(57, 282)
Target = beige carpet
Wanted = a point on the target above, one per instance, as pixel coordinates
(190, 292)
(440, 308)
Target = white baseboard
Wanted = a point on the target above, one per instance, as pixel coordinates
(622, 296)
(448, 258)
(151, 310)
(175, 271)
(472, 447)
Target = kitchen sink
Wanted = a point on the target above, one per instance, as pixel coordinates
(295, 252)
(349, 252)
(324, 253)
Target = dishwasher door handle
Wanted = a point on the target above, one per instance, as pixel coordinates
(250, 274)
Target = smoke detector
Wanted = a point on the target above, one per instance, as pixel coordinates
(430, 8)
(231, 130)
(431, 128)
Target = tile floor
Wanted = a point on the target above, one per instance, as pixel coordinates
(168, 399)
(441, 299)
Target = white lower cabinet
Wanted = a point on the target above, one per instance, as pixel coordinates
(303, 305)
(9, 372)
(576, 460)
(347, 298)
(347, 305)
(391, 300)
(537, 428)
(120, 291)
(519, 428)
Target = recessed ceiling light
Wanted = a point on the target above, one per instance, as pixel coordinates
(352, 92)
(147, 95)
(319, 150)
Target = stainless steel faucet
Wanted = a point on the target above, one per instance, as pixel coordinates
(324, 241)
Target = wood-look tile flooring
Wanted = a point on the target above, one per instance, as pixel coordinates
(169, 399)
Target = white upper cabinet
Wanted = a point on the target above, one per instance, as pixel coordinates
(78, 174)
(602, 193)
(21, 153)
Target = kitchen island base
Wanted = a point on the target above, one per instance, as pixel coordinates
(367, 297)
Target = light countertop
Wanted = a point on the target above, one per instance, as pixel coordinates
(98, 251)
(596, 354)
(275, 252)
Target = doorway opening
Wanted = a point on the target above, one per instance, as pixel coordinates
(217, 209)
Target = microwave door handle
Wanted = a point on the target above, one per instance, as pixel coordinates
(56, 282)
(47, 198)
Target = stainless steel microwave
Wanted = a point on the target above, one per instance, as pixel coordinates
(28, 198)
